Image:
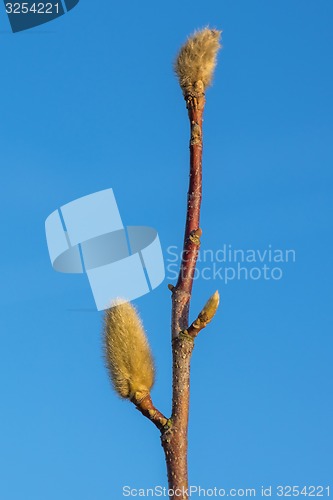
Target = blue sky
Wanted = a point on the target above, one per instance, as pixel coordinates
(89, 102)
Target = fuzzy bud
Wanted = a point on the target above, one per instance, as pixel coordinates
(210, 307)
(128, 356)
(206, 315)
(196, 60)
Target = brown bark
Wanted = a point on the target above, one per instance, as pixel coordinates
(174, 430)
(174, 439)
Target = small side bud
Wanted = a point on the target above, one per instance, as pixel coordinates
(210, 307)
(196, 60)
(205, 316)
(127, 352)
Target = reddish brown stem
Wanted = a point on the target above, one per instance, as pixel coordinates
(146, 407)
(192, 233)
(174, 440)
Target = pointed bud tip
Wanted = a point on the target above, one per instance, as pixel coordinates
(211, 305)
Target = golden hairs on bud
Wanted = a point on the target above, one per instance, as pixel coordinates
(205, 316)
(128, 356)
(196, 60)
(210, 307)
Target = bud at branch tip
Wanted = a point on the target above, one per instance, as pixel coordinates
(196, 60)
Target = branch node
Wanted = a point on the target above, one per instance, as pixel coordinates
(196, 134)
(186, 336)
(139, 397)
(167, 426)
(194, 100)
(195, 236)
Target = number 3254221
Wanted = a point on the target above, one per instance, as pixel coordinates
(35, 8)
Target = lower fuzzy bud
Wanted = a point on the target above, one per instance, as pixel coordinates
(128, 356)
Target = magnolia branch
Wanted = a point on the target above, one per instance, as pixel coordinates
(127, 352)
(194, 67)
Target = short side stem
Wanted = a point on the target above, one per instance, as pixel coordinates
(146, 407)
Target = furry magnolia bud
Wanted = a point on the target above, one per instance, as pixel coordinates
(127, 352)
(196, 60)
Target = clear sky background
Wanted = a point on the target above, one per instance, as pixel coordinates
(89, 102)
